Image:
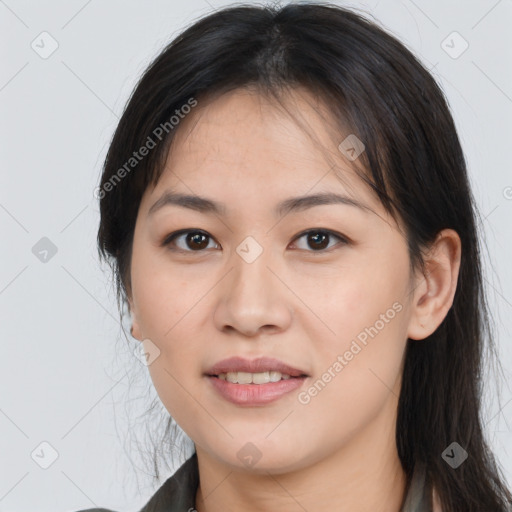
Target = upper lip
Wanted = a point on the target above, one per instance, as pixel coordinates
(262, 364)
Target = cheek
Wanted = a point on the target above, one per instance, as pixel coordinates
(355, 379)
(364, 320)
(168, 303)
(165, 294)
(350, 300)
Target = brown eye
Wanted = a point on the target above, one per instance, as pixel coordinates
(194, 241)
(318, 239)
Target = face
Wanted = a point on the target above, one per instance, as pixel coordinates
(324, 288)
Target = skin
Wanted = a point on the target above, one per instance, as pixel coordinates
(294, 302)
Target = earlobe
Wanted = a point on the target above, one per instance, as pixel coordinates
(435, 290)
(134, 329)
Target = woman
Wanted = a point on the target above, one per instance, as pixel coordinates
(287, 213)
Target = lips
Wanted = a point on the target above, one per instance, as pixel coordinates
(262, 364)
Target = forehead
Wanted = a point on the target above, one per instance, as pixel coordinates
(244, 124)
(244, 143)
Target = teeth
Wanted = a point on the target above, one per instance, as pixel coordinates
(253, 378)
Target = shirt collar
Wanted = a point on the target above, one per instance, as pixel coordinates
(178, 493)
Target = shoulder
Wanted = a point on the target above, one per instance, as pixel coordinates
(176, 494)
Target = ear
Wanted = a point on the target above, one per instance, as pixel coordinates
(135, 332)
(434, 290)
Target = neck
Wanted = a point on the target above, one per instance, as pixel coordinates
(365, 474)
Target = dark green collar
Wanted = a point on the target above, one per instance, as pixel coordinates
(178, 493)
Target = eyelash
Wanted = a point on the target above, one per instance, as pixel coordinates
(171, 237)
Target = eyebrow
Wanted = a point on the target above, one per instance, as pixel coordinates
(293, 204)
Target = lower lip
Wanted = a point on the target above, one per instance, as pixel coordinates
(255, 394)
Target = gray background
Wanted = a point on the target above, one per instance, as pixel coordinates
(66, 376)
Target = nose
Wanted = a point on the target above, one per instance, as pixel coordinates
(253, 298)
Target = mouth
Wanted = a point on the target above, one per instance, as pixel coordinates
(254, 378)
(254, 382)
(239, 370)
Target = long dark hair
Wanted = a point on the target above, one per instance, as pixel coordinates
(413, 161)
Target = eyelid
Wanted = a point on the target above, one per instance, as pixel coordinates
(175, 234)
(329, 232)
